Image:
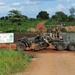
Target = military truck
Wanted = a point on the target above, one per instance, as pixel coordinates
(61, 42)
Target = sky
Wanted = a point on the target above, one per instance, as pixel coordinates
(31, 8)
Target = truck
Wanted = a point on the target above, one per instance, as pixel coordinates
(61, 42)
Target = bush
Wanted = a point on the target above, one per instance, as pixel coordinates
(63, 30)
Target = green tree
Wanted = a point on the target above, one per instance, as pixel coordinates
(72, 11)
(60, 16)
(2, 18)
(43, 15)
(13, 13)
(70, 18)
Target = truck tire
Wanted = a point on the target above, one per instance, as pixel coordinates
(60, 46)
(71, 46)
(20, 46)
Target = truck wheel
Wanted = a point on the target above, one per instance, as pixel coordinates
(71, 46)
(60, 46)
(20, 46)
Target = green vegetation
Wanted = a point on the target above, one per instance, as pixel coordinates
(62, 18)
(16, 22)
(8, 26)
(51, 22)
(63, 30)
(13, 61)
(54, 22)
(43, 15)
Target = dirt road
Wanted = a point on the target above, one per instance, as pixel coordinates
(41, 26)
(52, 64)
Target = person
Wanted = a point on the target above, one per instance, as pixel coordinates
(46, 40)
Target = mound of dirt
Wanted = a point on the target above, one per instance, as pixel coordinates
(70, 28)
(33, 30)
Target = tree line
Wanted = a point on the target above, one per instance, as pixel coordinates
(15, 15)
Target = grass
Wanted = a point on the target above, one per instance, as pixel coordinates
(13, 61)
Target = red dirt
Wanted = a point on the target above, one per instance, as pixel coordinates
(8, 46)
(41, 26)
(51, 49)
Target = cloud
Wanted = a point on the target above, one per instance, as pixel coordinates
(60, 7)
(6, 8)
(16, 4)
(2, 3)
(73, 4)
(33, 9)
(29, 2)
(50, 10)
(64, 0)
